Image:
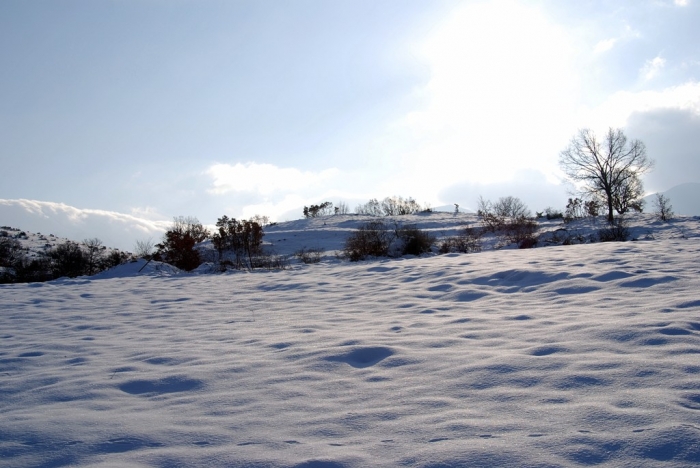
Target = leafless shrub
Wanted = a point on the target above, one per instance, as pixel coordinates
(511, 207)
(342, 208)
(467, 241)
(565, 237)
(371, 208)
(262, 220)
(309, 255)
(144, 248)
(662, 207)
(372, 239)
(413, 241)
(510, 219)
(521, 231)
(270, 261)
(617, 231)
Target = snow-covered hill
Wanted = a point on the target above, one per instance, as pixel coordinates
(36, 244)
(559, 356)
(329, 232)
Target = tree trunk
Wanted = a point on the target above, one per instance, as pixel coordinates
(609, 196)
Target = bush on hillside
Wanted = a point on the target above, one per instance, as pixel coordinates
(29, 270)
(68, 259)
(413, 241)
(94, 252)
(521, 231)
(372, 239)
(313, 211)
(10, 251)
(309, 255)
(270, 261)
(371, 208)
(662, 207)
(177, 247)
(551, 213)
(563, 236)
(468, 240)
(377, 239)
(615, 232)
(114, 258)
(496, 216)
(239, 245)
(509, 218)
(511, 207)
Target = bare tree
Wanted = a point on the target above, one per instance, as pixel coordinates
(342, 208)
(606, 168)
(511, 207)
(190, 225)
(371, 208)
(144, 248)
(262, 220)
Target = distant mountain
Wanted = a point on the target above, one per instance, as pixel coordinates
(685, 199)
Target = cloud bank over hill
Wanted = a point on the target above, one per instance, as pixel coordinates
(116, 230)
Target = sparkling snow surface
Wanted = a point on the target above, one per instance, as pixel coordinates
(558, 356)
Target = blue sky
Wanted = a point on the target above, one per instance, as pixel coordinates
(131, 112)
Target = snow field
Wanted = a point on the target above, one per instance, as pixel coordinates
(563, 356)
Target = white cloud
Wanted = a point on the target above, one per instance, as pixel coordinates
(264, 179)
(114, 229)
(652, 68)
(681, 2)
(616, 110)
(604, 45)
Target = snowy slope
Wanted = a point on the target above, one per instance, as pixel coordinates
(558, 356)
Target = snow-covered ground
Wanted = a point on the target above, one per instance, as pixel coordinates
(559, 356)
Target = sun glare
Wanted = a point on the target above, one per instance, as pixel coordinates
(500, 92)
